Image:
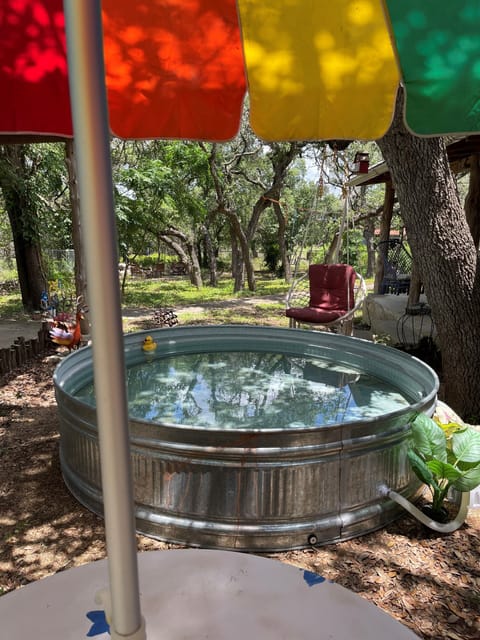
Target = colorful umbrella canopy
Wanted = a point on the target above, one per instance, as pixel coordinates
(314, 69)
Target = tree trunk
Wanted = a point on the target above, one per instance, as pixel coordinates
(196, 272)
(244, 246)
(472, 201)
(415, 286)
(240, 241)
(282, 228)
(22, 213)
(80, 266)
(369, 236)
(28, 257)
(385, 223)
(176, 247)
(238, 272)
(211, 258)
(333, 249)
(188, 256)
(443, 248)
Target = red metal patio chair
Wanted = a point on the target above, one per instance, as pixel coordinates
(327, 296)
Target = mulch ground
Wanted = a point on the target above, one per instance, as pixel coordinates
(428, 581)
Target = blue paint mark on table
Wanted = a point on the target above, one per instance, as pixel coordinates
(100, 624)
(312, 579)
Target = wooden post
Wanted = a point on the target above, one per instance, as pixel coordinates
(19, 346)
(4, 361)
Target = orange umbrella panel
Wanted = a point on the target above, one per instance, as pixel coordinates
(174, 68)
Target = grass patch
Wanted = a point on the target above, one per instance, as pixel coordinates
(11, 305)
(270, 315)
(178, 292)
(236, 311)
(175, 292)
(171, 292)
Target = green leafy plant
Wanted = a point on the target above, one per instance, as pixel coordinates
(444, 456)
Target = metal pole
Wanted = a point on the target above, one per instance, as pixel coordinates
(92, 140)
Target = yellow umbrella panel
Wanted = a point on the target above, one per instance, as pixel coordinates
(318, 70)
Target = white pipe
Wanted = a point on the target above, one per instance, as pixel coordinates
(447, 527)
(92, 144)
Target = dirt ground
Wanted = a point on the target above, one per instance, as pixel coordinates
(430, 582)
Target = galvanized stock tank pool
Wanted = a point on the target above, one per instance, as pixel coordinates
(253, 438)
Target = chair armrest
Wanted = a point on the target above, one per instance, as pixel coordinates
(299, 293)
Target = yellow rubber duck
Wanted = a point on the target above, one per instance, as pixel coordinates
(149, 344)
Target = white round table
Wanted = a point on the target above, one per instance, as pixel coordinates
(200, 594)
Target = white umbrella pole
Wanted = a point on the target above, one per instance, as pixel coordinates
(92, 145)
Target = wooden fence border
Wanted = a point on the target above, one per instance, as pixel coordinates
(22, 350)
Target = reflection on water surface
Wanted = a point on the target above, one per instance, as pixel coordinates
(253, 390)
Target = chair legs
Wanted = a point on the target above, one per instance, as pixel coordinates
(346, 328)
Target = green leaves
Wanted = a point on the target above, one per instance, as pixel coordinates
(466, 445)
(444, 456)
(420, 468)
(443, 470)
(468, 480)
(429, 439)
